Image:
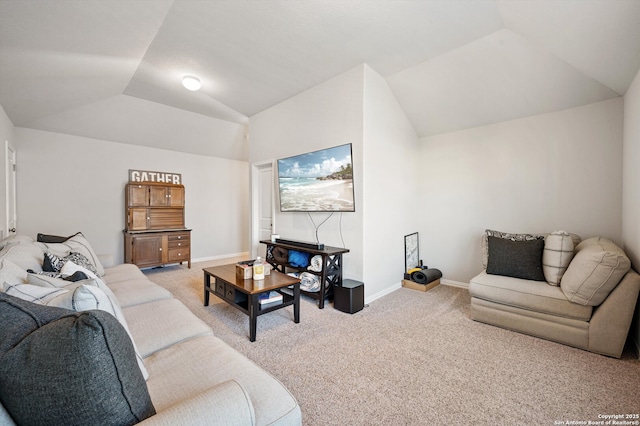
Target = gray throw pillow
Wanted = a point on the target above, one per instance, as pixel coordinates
(517, 259)
(71, 368)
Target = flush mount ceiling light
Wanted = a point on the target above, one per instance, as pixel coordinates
(191, 83)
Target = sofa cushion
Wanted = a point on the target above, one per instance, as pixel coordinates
(518, 259)
(177, 376)
(163, 323)
(596, 269)
(557, 254)
(526, 294)
(122, 272)
(138, 291)
(51, 358)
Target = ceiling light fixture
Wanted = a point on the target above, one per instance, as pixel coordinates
(191, 83)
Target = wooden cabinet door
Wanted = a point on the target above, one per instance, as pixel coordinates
(159, 196)
(176, 196)
(137, 220)
(137, 195)
(167, 218)
(147, 250)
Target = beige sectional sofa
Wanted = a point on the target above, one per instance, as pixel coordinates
(194, 378)
(586, 299)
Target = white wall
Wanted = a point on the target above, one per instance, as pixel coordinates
(326, 115)
(6, 135)
(631, 187)
(67, 184)
(390, 185)
(538, 174)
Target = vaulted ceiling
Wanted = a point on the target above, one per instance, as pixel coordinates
(111, 69)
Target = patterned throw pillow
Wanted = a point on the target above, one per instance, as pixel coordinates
(54, 263)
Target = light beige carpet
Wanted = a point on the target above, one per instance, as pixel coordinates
(414, 358)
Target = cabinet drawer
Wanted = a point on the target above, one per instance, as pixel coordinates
(220, 288)
(234, 296)
(178, 254)
(175, 242)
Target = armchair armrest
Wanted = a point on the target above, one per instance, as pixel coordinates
(224, 404)
(611, 320)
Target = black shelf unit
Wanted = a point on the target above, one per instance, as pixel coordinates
(330, 275)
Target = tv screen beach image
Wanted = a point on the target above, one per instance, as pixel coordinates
(317, 181)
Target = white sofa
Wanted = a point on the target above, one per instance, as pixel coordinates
(193, 377)
(586, 300)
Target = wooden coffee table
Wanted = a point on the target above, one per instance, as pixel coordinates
(244, 294)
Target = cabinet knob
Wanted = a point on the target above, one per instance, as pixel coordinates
(160, 248)
(179, 237)
(179, 244)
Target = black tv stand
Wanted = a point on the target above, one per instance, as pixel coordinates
(330, 276)
(303, 244)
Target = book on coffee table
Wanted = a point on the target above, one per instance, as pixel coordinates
(268, 299)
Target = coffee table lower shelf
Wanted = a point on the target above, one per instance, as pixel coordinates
(244, 295)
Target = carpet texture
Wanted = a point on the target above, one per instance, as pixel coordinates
(415, 358)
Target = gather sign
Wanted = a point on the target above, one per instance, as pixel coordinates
(150, 176)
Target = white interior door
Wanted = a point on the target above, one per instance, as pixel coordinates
(11, 215)
(263, 206)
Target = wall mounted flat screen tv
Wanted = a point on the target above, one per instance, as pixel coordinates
(318, 181)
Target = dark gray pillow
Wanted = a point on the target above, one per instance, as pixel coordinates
(518, 259)
(45, 238)
(71, 368)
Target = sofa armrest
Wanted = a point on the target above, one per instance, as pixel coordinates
(224, 404)
(610, 322)
(106, 260)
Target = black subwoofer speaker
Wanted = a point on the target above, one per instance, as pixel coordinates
(349, 297)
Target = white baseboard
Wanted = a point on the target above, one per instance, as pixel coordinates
(222, 256)
(452, 283)
(382, 293)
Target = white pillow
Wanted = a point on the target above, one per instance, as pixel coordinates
(556, 256)
(84, 297)
(79, 243)
(12, 273)
(47, 281)
(33, 293)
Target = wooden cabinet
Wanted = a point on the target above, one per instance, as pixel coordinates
(154, 206)
(155, 248)
(155, 231)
